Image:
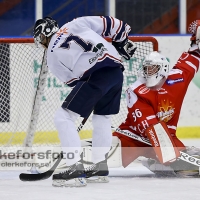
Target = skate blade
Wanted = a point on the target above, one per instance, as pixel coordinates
(162, 174)
(76, 182)
(188, 174)
(97, 179)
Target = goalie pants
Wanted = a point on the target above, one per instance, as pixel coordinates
(132, 149)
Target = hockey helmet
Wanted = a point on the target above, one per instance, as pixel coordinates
(155, 67)
(44, 28)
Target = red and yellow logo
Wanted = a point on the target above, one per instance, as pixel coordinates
(165, 110)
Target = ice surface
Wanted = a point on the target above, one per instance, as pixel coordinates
(132, 183)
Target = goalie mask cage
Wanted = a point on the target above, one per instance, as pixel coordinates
(30, 94)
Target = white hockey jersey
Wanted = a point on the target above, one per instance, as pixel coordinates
(79, 47)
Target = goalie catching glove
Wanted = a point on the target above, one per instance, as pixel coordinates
(125, 48)
(194, 29)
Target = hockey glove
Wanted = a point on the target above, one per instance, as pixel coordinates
(125, 48)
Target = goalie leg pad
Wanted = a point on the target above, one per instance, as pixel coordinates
(162, 142)
(184, 169)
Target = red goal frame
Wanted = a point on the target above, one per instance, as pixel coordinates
(132, 38)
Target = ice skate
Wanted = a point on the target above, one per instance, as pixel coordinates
(73, 177)
(97, 173)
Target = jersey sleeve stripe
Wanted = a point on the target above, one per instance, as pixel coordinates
(104, 25)
(113, 36)
(113, 22)
(198, 60)
(195, 57)
(192, 65)
(108, 26)
(120, 25)
(121, 30)
(127, 30)
(124, 34)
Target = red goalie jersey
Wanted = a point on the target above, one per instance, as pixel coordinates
(147, 107)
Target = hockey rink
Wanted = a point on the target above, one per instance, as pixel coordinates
(133, 183)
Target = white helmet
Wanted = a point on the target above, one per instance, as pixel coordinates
(155, 67)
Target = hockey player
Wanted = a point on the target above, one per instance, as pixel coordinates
(78, 55)
(154, 102)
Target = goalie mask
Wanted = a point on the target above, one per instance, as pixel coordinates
(43, 29)
(155, 70)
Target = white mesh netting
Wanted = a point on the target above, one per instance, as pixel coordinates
(20, 66)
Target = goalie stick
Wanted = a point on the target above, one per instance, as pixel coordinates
(183, 156)
(47, 174)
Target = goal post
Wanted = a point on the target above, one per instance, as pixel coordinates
(30, 94)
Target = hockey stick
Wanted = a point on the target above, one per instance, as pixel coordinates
(47, 174)
(183, 156)
(82, 123)
(41, 176)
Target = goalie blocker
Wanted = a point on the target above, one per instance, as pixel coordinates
(162, 142)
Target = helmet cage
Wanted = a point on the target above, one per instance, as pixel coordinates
(150, 69)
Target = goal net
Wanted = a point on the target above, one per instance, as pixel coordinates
(30, 94)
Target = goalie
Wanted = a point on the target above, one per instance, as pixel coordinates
(154, 102)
